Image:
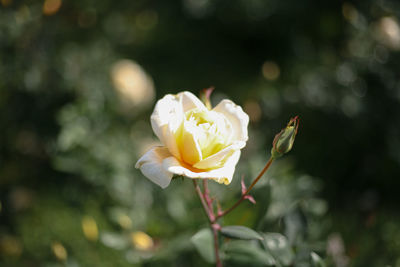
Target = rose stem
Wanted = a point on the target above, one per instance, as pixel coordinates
(208, 200)
(215, 227)
(207, 206)
(221, 214)
(203, 202)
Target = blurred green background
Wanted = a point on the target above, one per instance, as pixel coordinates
(79, 80)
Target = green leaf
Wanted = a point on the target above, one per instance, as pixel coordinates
(278, 245)
(203, 241)
(240, 232)
(247, 252)
(316, 260)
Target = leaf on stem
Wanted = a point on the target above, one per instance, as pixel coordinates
(203, 241)
(245, 252)
(240, 232)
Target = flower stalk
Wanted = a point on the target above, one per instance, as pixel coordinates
(206, 201)
(215, 228)
(202, 200)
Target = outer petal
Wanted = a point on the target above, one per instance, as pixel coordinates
(214, 161)
(237, 117)
(165, 121)
(221, 175)
(151, 165)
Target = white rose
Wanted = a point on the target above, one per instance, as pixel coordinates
(198, 142)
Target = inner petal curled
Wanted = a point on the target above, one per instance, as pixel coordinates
(203, 134)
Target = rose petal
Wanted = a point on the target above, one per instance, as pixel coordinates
(190, 101)
(151, 165)
(238, 118)
(221, 175)
(165, 121)
(215, 160)
(188, 145)
(168, 116)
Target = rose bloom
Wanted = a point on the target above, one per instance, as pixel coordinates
(197, 142)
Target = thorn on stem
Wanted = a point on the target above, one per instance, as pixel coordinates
(250, 198)
(244, 188)
(219, 209)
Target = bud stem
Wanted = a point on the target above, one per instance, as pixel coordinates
(266, 167)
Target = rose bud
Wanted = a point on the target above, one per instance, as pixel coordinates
(283, 141)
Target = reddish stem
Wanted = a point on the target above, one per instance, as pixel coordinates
(206, 201)
(223, 213)
(203, 202)
(215, 228)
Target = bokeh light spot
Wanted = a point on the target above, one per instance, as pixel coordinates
(89, 227)
(253, 109)
(10, 246)
(388, 32)
(270, 70)
(6, 2)
(349, 12)
(51, 7)
(132, 83)
(59, 251)
(142, 241)
(125, 221)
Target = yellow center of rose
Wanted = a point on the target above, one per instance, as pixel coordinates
(202, 134)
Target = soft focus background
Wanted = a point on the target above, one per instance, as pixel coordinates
(79, 80)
